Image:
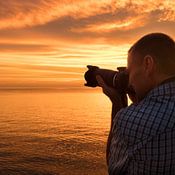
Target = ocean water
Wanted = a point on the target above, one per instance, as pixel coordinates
(51, 133)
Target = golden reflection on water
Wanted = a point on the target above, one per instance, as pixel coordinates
(56, 131)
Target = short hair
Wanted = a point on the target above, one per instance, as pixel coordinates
(161, 47)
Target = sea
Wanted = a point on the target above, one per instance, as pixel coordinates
(53, 133)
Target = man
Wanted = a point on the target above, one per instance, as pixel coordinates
(142, 135)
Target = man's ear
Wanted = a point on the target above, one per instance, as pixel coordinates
(149, 65)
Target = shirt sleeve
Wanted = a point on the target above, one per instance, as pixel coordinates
(118, 158)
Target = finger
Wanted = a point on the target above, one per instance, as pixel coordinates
(103, 85)
(90, 67)
(101, 81)
(109, 91)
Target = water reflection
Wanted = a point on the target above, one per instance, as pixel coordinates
(53, 133)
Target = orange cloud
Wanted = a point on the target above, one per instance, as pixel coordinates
(47, 43)
(54, 22)
(128, 24)
(17, 76)
(9, 47)
(62, 70)
(17, 14)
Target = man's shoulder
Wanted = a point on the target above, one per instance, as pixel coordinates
(145, 119)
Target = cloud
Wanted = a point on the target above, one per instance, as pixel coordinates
(81, 21)
(19, 13)
(131, 15)
(107, 27)
(20, 48)
(56, 38)
(17, 76)
(43, 68)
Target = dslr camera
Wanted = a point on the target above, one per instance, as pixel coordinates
(118, 79)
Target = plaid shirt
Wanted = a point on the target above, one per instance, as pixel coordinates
(143, 135)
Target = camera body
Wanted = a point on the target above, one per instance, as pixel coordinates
(117, 79)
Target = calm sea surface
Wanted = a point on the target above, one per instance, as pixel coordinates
(48, 133)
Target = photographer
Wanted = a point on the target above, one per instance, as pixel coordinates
(142, 136)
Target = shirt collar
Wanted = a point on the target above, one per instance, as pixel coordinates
(168, 80)
(167, 87)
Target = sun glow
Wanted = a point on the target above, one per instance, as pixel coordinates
(42, 46)
(59, 68)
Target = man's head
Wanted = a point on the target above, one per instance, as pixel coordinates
(150, 61)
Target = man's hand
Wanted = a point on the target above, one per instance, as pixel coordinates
(118, 102)
(112, 93)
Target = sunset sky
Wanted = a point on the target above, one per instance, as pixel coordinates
(48, 43)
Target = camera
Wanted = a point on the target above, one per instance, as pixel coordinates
(118, 79)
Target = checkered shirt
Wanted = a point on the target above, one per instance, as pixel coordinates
(143, 135)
